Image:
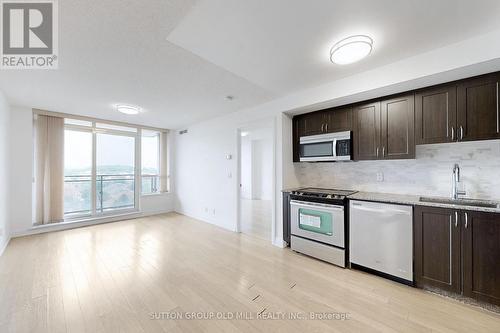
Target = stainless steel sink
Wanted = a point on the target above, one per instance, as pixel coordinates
(461, 202)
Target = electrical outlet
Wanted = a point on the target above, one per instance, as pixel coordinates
(380, 176)
(213, 212)
(206, 210)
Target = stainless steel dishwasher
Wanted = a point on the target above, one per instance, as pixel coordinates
(381, 238)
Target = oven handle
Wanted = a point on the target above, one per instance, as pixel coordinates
(315, 204)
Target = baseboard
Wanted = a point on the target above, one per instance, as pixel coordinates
(5, 246)
(199, 218)
(279, 243)
(74, 225)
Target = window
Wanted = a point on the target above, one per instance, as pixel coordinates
(77, 172)
(106, 167)
(150, 162)
(99, 168)
(115, 172)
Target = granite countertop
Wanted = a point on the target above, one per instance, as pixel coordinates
(414, 200)
(288, 190)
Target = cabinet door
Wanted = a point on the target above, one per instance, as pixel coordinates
(312, 123)
(338, 120)
(436, 242)
(295, 139)
(481, 256)
(366, 132)
(435, 115)
(398, 128)
(478, 108)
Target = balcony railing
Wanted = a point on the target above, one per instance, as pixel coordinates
(113, 192)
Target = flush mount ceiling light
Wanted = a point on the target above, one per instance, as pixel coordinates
(351, 49)
(128, 109)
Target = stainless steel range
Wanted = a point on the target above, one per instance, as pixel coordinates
(318, 223)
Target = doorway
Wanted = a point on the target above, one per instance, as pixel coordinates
(256, 183)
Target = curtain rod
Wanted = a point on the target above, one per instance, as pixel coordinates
(104, 121)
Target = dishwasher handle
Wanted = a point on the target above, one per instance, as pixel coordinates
(359, 206)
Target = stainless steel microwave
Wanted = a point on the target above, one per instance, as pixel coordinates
(326, 147)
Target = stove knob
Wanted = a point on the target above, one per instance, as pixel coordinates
(329, 196)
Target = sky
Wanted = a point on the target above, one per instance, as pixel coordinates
(111, 150)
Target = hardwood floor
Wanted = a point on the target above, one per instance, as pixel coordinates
(115, 277)
(256, 218)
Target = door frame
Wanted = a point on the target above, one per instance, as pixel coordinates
(238, 156)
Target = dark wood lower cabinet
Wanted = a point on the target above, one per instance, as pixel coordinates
(458, 251)
(437, 248)
(481, 256)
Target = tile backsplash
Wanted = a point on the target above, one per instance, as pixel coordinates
(429, 174)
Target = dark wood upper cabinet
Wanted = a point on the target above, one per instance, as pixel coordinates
(338, 120)
(437, 248)
(295, 139)
(397, 131)
(481, 249)
(320, 122)
(385, 130)
(435, 115)
(311, 123)
(464, 110)
(478, 115)
(366, 131)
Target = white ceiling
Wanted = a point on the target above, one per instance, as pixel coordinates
(178, 59)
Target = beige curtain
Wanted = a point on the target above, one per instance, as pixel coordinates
(49, 169)
(164, 179)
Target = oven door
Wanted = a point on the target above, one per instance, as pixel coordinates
(317, 221)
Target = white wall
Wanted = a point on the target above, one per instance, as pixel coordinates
(202, 172)
(257, 162)
(21, 175)
(206, 181)
(4, 173)
(246, 167)
(262, 169)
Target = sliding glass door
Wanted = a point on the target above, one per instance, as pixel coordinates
(101, 176)
(115, 172)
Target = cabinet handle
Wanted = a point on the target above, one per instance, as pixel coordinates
(461, 132)
(452, 133)
(456, 219)
(377, 151)
(466, 220)
(326, 126)
(383, 151)
(322, 127)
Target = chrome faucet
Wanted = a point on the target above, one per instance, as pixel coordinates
(455, 192)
